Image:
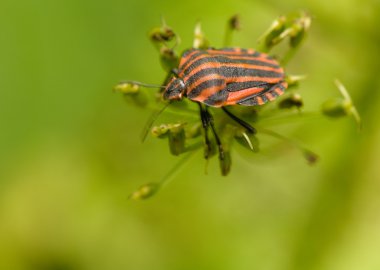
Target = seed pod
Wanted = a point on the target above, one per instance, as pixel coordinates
(145, 191)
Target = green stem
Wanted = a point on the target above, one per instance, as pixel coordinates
(175, 169)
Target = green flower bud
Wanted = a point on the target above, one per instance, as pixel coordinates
(273, 34)
(200, 41)
(160, 131)
(337, 107)
(169, 59)
(294, 100)
(299, 29)
(225, 163)
(177, 139)
(132, 93)
(293, 80)
(311, 157)
(234, 22)
(127, 88)
(159, 35)
(145, 191)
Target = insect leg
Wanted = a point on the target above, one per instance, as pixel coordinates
(241, 122)
(205, 124)
(210, 120)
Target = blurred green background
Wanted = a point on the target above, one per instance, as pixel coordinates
(70, 152)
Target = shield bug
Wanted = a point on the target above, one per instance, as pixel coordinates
(222, 77)
(225, 77)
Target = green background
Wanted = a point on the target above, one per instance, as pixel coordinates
(70, 152)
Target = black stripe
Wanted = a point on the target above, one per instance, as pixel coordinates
(217, 98)
(192, 57)
(248, 102)
(238, 86)
(186, 53)
(226, 60)
(279, 85)
(264, 97)
(232, 72)
(206, 84)
(274, 94)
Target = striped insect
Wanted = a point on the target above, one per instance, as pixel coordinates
(225, 77)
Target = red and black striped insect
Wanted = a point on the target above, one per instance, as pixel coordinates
(224, 77)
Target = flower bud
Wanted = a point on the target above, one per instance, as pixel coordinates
(234, 22)
(177, 139)
(145, 191)
(200, 41)
(127, 88)
(225, 163)
(299, 29)
(132, 93)
(273, 34)
(159, 35)
(337, 107)
(293, 80)
(160, 131)
(310, 157)
(169, 59)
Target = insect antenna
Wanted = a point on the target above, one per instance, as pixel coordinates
(147, 85)
(151, 121)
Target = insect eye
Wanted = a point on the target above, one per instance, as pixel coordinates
(181, 83)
